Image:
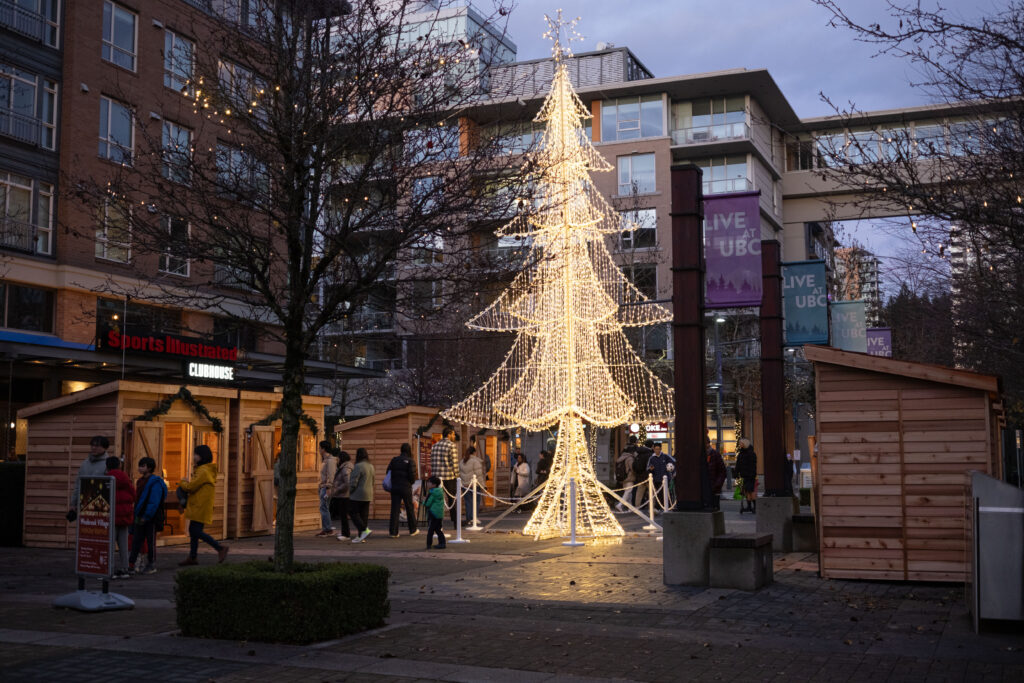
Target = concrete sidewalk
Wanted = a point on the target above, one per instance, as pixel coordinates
(506, 608)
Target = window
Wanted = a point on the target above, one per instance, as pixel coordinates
(231, 332)
(177, 152)
(26, 308)
(174, 259)
(644, 277)
(117, 132)
(135, 318)
(800, 155)
(862, 147)
(240, 176)
(639, 229)
(26, 214)
(178, 63)
(427, 250)
(437, 143)
(426, 294)
(514, 138)
(632, 117)
(245, 12)
(37, 19)
(118, 36)
(113, 237)
(240, 87)
(27, 107)
(725, 174)
(929, 139)
(636, 174)
(426, 193)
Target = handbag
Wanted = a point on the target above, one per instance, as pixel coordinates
(387, 481)
(182, 495)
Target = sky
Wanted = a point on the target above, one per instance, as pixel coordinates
(791, 38)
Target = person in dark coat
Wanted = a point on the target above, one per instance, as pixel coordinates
(403, 474)
(543, 467)
(716, 471)
(124, 512)
(746, 468)
(152, 492)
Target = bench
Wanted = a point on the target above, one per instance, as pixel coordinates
(805, 538)
(742, 561)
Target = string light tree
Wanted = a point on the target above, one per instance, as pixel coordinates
(570, 363)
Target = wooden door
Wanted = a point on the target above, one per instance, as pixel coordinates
(147, 442)
(262, 458)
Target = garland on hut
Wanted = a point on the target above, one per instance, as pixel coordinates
(276, 415)
(194, 403)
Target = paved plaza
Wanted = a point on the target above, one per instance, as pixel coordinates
(506, 608)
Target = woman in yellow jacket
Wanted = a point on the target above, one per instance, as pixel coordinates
(199, 508)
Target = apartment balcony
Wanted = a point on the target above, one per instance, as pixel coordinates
(18, 236)
(364, 322)
(21, 20)
(378, 363)
(727, 185)
(702, 135)
(20, 127)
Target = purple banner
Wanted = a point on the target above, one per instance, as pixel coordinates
(880, 341)
(732, 249)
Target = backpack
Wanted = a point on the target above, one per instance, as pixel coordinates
(640, 463)
(621, 471)
(339, 488)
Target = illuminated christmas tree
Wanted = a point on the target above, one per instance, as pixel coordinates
(570, 364)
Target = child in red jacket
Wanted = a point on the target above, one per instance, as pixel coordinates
(124, 513)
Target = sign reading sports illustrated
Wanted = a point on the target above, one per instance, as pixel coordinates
(849, 327)
(94, 549)
(732, 250)
(879, 341)
(805, 300)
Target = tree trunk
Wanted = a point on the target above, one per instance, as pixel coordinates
(291, 409)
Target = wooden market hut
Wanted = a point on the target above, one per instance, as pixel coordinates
(896, 440)
(420, 426)
(165, 422)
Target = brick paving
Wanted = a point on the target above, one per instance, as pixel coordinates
(504, 607)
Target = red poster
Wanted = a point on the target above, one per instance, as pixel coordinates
(95, 526)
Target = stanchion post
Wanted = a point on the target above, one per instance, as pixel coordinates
(572, 515)
(476, 496)
(458, 514)
(664, 492)
(650, 503)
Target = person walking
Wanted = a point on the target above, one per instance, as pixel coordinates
(716, 471)
(435, 513)
(124, 512)
(149, 513)
(339, 494)
(626, 476)
(746, 469)
(199, 507)
(662, 468)
(361, 494)
(403, 474)
(444, 464)
(95, 465)
(328, 468)
(470, 467)
(543, 467)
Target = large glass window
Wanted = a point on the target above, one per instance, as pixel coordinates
(118, 35)
(27, 107)
(636, 174)
(629, 118)
(174, 259)
(437, 143)
(26, 308)
(644, 232)
(725, 174)
(177, 152)
(26, 214)
(929, 139)
(135, 318)
(113, 236)
(178, 62)
(117, 132)
(240, 176)
(644, 277)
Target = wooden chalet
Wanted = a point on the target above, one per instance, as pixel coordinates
(166, 422)
(896, 440)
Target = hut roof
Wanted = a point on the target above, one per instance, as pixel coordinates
(387, 415)
(889, 366)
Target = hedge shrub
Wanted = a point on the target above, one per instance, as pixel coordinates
(250, 601)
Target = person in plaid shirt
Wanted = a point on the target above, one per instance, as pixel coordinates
(444, 464)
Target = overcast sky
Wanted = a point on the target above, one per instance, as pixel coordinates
(790, 38)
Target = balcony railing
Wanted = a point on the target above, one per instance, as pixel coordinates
(20, 20)
(720, 132)
(19, 126)
(17, 235)
(365, 322)
(728, 185)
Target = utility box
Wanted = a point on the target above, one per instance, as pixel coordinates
(996, 583)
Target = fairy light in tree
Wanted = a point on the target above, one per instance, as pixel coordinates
(570, 364)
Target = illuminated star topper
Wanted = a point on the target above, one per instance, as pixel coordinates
(557, 28)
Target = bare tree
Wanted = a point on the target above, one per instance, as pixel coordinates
(308, 152)
(959, 182)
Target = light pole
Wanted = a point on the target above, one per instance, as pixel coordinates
(718, 386)
(791, 352)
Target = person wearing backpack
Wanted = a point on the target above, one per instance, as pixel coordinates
(640, 459)
(149, 516)
(339, 494)
(625, 476)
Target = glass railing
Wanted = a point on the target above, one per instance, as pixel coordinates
(715, 133)
(366, 321)
(727, 185)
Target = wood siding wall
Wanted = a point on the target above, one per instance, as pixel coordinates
(893, 458)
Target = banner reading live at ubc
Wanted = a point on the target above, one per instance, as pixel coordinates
(805, 300)
(849, 326)
(732, 250)
(879, 341)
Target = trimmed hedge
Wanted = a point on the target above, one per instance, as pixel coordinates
(250, 601)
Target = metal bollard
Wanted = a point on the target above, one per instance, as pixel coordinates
(572, 515)
(458, 514)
